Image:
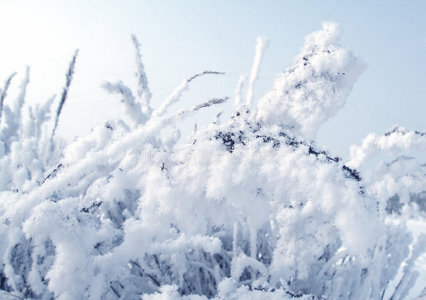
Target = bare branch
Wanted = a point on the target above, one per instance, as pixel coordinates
(204, 73)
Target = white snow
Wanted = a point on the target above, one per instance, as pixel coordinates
(247, 209)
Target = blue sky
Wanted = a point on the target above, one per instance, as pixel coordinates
(180, 38)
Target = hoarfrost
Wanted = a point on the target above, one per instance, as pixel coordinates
(248, 209)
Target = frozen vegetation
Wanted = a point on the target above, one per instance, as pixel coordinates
(246, 208)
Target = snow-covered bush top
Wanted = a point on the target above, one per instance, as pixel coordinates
(314, 88)
(246, 209)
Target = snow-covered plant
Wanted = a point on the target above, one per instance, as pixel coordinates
(400, 178)
(247, 209)
(29, 151)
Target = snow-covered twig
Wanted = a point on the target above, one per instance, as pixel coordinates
(3, 93)
(237, 93)
(143, 90)
(409, 275)
(177, 93)
(262, 44)
(68, 80)
(132, 108)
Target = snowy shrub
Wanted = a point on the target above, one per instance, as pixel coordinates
(401, 178)
(250, 208)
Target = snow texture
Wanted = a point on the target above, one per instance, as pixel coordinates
(401, 176)
(247, 209)
(314, 88)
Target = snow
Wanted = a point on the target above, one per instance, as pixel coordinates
(262, 44)
(249, 208)
(315, 86)
(237, 94)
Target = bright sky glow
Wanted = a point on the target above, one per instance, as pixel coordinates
(182, 38)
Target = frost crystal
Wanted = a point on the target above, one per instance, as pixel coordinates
(314, 88)
(247, 209)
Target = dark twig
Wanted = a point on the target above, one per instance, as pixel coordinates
(210, 103)
(186, 112)
(204, 73)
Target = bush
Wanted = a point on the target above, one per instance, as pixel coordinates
(250, 208)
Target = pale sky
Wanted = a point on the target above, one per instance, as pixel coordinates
(181, 38)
